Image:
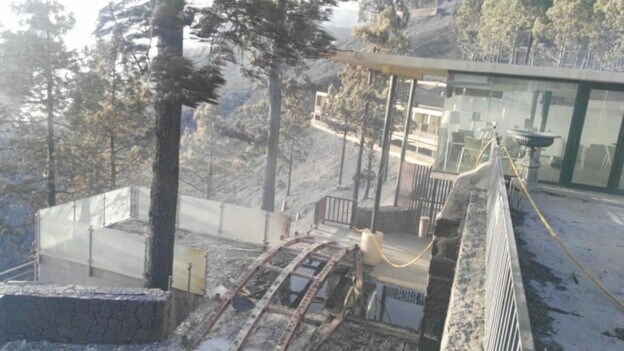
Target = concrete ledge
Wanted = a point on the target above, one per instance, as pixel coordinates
(80, 315)
(448, 234)
(465, 319)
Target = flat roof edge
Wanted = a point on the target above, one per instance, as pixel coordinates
(419, 67)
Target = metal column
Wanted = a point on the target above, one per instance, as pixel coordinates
(385, 147)
(406, 129)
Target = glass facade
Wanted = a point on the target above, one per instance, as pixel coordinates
(601, 129)
(478, 105)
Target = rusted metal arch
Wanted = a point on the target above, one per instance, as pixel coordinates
(309, 296)
(266, 299)
(209, 322)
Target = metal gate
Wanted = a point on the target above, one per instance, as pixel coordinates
(421, 193)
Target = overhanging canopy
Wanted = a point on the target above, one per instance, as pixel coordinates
(419, 67)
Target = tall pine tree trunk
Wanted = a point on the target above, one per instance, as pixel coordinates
(113, 163)
(369, 169)
(209, 180)
(275, 116)
(358, 170)
(164, 189)
(342, 154)
(51, 157)
(290, 166)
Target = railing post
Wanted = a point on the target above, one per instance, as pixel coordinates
(37, 244)
(90, 250)
(188, 282)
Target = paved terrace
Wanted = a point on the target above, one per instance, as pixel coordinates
(398, 247)
(592, 226)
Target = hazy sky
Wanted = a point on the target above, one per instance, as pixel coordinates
(85, 12)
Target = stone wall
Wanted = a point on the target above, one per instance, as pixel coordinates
(446, 243)
(465, 319)
(42, 312)
(391, 219)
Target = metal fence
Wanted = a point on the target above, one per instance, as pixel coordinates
(507, 324)
(335, 210)
(421, 193)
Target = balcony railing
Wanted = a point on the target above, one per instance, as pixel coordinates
(507, 325)
(335, 210)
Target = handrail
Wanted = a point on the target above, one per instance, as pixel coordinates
(507, 323)
(336, 210)
(17, 268)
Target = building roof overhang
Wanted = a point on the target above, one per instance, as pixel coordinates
(419, 67)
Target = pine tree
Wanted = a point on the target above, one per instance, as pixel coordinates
(205, 152)
(295, 134)
(38, 62)
(362, 95)
(176, 81)
(271, 35)
(609, 43)
(109, 132)
(467, 22)
(572, 27)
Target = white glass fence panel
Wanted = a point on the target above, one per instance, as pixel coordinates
(91, 210)
(244, 224)
(199, 215)
(64, 211)
(65, 239)
(143, 203)
(117, 205)
(118, 252)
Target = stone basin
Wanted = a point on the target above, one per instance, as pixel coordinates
(532, 139)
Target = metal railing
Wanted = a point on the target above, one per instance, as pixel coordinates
(507, 324)
(419, 192)
(23, 272)
(335, 210)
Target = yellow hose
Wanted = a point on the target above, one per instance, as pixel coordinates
(557, 239)
(399, 265)
(483, 151)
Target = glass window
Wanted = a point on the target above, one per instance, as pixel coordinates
(477, 104)
(599, 137)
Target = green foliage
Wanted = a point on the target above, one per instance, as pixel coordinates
(386, 31)
(254, 33)
(134, 24)
(205, 152)
(110, 130)
(362, 100)
(297, 104)
(36, 68)
(577, 33)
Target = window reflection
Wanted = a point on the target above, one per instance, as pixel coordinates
(475, 104)
(599, 137)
